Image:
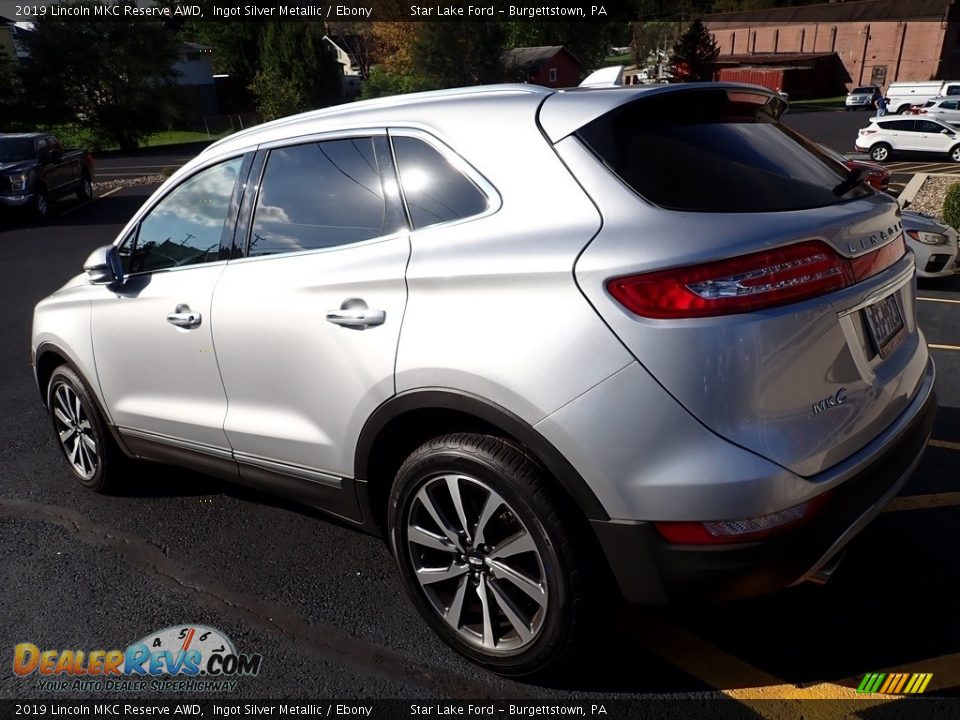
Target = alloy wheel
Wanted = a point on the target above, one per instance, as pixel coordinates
(75, 431)
(477, 563)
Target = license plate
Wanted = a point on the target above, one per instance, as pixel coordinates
(885, 324)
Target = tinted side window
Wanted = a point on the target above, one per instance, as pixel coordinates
(435, 191)
(319, 195)
(185, 227)
(953, 90)
(899, 125)
(925, 126)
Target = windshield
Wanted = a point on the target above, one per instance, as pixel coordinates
(16, 149)
(714, 151)
(863, 91)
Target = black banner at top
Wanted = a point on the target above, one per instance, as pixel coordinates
(336, 10)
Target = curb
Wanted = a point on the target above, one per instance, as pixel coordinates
(909, 192)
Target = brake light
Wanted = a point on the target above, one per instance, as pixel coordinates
(867, 132)
(750, 282)
(721, 532)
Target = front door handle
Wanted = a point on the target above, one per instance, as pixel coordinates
(184, 317)
(355, 314)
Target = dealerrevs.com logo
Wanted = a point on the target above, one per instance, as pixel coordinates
(180, 658)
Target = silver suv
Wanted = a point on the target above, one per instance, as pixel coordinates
(536, 338)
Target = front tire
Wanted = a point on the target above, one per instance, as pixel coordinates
(81, 432)
(491, 559)
(41, 205)
(880, 152)
(85, 190)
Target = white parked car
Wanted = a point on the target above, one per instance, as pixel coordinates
(886, 135)
(934, 244)
(941, 108)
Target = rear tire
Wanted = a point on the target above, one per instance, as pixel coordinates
(880, 152)
(955, 153)
(80, 431)
(903, 110)
(501, 572)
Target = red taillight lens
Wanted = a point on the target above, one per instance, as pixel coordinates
(742, 284)
(719, 532)
(750, 282)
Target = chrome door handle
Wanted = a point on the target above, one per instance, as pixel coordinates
(184, 317)
(355, 314)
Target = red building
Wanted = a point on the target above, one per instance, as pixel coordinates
(872, 42)
(549, 65)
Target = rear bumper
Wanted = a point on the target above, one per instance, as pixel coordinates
(651, 570)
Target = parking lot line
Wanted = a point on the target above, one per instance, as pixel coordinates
(98, 197)
(924, 502)
(937, 346)
(940, 300)
(735, 678)
(944, 444)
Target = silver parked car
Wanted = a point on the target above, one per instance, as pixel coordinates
(934, 245)
(537, 338)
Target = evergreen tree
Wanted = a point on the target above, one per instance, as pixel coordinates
(694, 54)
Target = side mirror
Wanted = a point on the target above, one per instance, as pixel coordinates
(103, 267)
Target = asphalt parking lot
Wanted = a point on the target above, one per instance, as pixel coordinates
(324, 606)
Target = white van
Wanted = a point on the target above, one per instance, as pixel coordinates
(904, 94)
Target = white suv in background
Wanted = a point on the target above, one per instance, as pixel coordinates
(945, 109)
(886, 135)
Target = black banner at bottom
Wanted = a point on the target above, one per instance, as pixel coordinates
(691, 707)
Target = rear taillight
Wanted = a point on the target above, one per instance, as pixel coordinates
(750, 282)
(867, 132)
(720, 532)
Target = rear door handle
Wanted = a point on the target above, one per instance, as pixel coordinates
(355, 314)
(184, 317)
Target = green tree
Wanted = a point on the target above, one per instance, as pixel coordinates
(456, 54)
(298, 70)
(694, 54)
(10, 97)
(114, 78)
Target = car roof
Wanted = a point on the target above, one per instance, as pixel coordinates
(377, 112)
(561, 111)
(23, 136)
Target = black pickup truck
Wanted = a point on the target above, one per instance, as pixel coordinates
(35, 170)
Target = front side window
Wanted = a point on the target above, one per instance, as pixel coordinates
(435, 190)
(319, 195)
(925, 126)
(184, 228)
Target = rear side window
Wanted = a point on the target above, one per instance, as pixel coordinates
(715, 151)
(435, 190)
(899, 125)
(953, 90)
(319, 195)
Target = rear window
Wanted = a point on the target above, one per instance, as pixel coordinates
(715, 151)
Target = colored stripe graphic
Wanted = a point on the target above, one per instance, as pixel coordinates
(895, 683)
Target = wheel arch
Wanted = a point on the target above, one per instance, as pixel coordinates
(51, 356)
(405, 421)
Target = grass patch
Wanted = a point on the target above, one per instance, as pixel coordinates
(175, 137)
(75, 137)
(830, 103)
(625, 59)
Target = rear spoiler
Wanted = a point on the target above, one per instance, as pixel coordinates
(604, 77)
